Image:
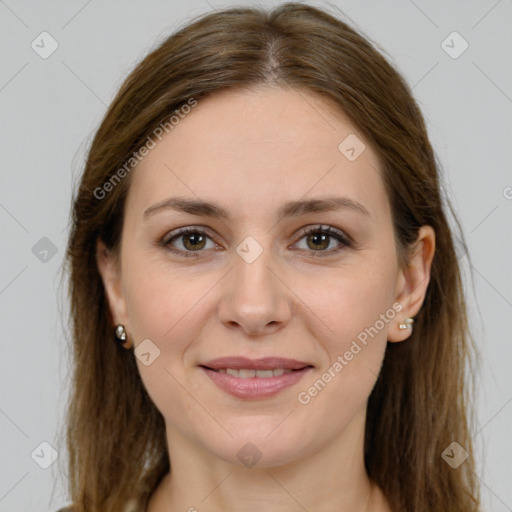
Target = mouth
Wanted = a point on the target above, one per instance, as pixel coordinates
(255, 378)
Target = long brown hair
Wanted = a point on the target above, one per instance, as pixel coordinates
(419, 405)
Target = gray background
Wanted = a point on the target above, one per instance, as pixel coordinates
(50, 108)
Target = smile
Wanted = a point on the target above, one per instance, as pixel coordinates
(260, 374)
(257, 378)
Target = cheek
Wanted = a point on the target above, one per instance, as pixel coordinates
(168, 308)
(353, 312)
(162, 304)
(358, 312)
(349, 303)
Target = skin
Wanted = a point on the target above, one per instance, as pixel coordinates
(251, 152)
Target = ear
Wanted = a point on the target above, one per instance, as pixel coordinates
(110, 271)
(412, 282)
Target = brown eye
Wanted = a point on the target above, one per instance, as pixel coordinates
(193, 241)
(318, 241)
(324, 240)
(188, 241)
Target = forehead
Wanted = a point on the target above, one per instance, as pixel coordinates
(250, 149)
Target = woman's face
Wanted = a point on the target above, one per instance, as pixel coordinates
(312, 312)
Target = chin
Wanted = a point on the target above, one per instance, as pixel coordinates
(257, 445)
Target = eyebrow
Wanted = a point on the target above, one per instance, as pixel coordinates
(290, 209)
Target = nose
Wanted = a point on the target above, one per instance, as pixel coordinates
(255, 297)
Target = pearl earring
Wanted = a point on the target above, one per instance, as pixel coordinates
(407, 324)
(122, 337)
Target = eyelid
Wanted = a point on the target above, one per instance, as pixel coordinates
(176, 233)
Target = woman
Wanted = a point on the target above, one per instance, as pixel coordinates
(267, 307)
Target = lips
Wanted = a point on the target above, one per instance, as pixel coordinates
(255, 378)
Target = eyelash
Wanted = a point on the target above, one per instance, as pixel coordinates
(344, 240)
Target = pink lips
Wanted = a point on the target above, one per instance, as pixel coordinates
(289, 372)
